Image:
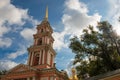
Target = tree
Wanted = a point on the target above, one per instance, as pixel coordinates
(3, 72)
(97, 51)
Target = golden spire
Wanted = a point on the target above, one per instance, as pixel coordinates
(46, 13)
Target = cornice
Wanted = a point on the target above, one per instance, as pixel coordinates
(40, 47)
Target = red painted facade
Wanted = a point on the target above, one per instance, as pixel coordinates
(40, 65)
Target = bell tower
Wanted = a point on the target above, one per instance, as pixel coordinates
(41, 53)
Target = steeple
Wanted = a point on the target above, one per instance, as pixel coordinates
(41, 53)
(46, 13)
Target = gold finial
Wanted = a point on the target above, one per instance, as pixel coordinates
(74, 76)
(46, 14)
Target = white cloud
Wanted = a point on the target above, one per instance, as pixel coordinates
(27, 33)
(114, 14)
(7, 64)
(21, 51)
(5, 42)
(10, 15)
(70, 66)
(3, 30)
(3, 3)
(74, 19)
(76, 22)
(59, 40)
(75, 5)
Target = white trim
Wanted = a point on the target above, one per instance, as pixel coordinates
(32, 59)
(39, 57)
(28, 62)
(33, 78)
(43, 57)
(48, 57)
(28, 78)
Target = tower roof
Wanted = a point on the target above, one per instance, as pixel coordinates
(45, 21)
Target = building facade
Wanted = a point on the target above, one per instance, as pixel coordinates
(41, 55)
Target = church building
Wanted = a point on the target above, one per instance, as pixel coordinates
(41, 55)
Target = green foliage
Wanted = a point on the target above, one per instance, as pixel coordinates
(97, 51)
(2, 72)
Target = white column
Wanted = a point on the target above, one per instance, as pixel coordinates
(32, 58)
(42, 40)
(43, 56)
(53, 60)
(36, 41)
(28, 78)
(39, 57)
(45, 40)
(48, 57)
(33, 78)
(29, 58)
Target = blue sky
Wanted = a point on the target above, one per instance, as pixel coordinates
(18, 20)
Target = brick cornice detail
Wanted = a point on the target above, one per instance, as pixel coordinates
(38, 48)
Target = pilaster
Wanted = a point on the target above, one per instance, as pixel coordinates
(32, 59)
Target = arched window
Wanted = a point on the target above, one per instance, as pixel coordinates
(39, 41)
(36, 62)
(41, 30)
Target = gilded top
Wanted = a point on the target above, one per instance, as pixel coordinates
(46, 13)
(74, 76)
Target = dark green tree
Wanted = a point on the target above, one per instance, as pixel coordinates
(97, 51)
(3, 72)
